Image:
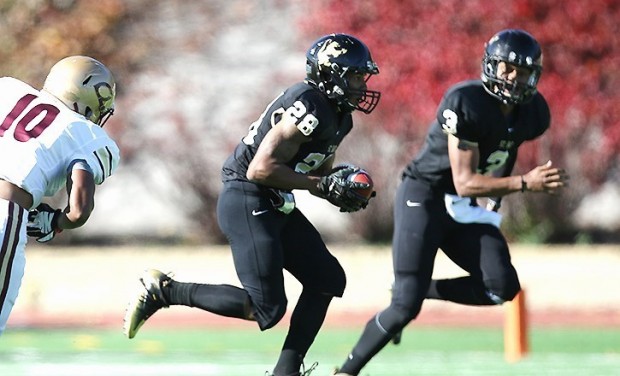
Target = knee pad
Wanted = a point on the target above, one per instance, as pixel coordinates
(393, 319)
(268, 318)
(332, 282)
(494, 298)
(338, 284)
(501, 291)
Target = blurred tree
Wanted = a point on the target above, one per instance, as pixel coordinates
(37, 33)
(200, 72)
(134, 38)
(423, 47)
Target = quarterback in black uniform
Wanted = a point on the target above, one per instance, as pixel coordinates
(469, 153)
(290, 146)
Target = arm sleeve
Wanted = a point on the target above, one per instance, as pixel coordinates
(79, 164)
(102, 158)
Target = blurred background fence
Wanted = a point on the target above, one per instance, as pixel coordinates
(91, 286)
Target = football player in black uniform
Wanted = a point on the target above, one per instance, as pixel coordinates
(290, 146)
(469, 153)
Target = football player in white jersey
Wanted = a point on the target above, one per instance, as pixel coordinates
(49, 139)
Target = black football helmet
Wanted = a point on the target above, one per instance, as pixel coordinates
(328, 61)
(515, 47)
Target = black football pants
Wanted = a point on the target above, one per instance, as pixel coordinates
(265, 241)
(422, 226)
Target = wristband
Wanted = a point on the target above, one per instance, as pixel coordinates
(523, 184)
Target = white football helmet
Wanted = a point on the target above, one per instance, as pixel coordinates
(85, 85)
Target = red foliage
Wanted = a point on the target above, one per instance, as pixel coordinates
(424, 46)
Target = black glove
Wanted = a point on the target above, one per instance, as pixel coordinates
(43, 223)
(340, 191)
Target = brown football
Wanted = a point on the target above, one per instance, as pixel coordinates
(362, 176)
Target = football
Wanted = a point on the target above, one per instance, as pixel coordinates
(362, 176)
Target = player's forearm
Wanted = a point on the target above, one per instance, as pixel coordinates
(74, 217)
(283, 177)
(487, 186)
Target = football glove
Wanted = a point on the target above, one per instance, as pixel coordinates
(340, 191)
(494, 203)
(43, 223)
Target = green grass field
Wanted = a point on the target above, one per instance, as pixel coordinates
(243, 352)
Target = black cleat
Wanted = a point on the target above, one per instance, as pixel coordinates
(303, 372)
(148, 301)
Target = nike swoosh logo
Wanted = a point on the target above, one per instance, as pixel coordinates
(258, 212)
(412, 204)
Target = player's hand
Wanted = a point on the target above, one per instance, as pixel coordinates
(494, 203)
(340, 191)
(43, 223)
(546, 178)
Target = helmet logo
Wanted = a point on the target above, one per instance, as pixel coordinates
(104, 92)
(512, 56)
(329, 49)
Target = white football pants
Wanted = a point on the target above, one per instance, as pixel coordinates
(13, 221)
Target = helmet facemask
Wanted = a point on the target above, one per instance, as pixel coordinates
(348, 97)
(509, 92)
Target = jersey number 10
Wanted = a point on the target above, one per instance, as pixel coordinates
(22, 133)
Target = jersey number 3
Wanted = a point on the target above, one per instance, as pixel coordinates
(24, 131)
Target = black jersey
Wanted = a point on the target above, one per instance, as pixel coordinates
(470, 113)
(316, 117)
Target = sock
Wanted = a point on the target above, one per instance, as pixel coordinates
(306, 321)
(223, 300)
(288, 364)
(463, 290)
(373, 339)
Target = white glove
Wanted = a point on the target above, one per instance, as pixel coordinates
(43, 223)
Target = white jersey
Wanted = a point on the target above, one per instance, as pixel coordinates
(40, 138)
